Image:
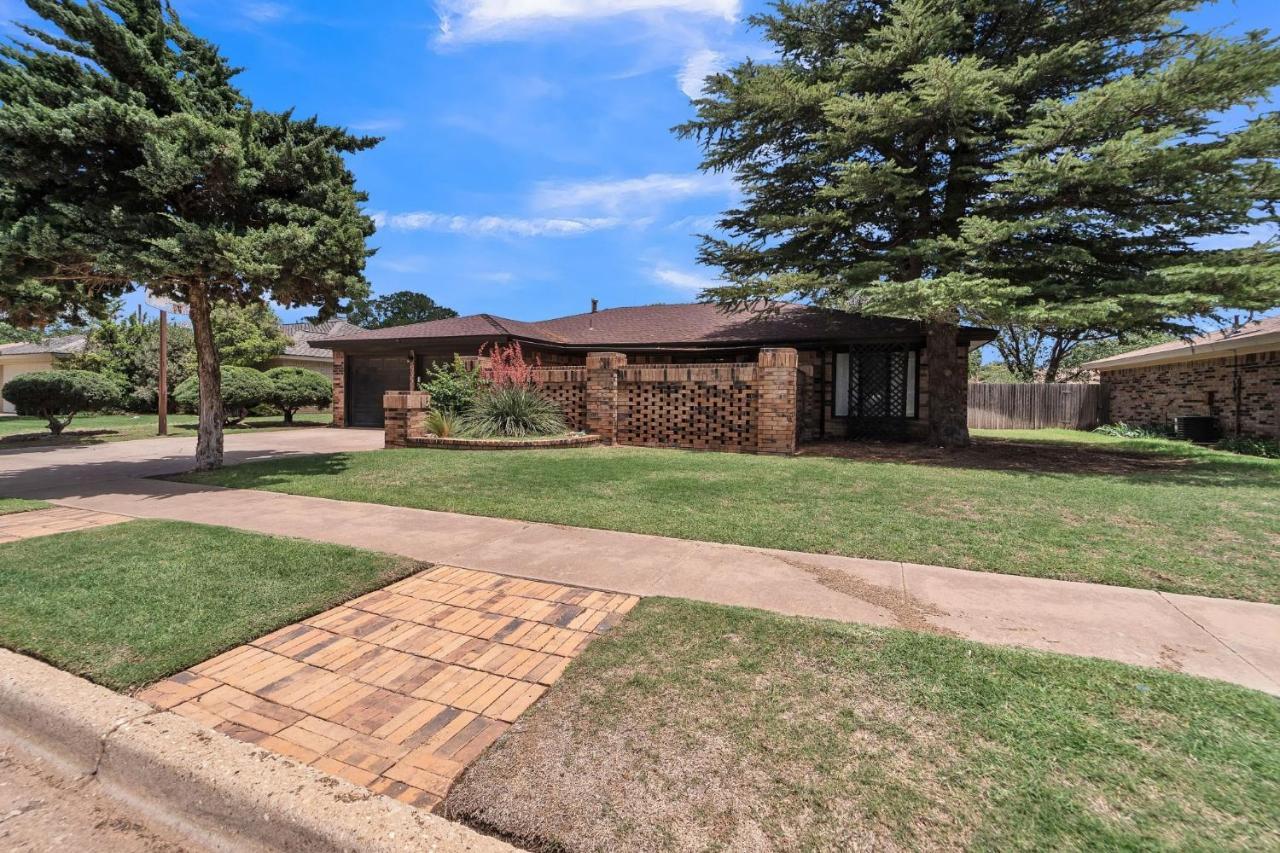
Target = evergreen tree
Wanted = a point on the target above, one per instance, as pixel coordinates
(248, 335)
(397, 309)
(1049, 162)
(127, 156)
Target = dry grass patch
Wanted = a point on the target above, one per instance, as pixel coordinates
(697, 727)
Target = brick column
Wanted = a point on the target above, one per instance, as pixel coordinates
(778, 405)
(602, 393)
(339, 388)
(406, 416)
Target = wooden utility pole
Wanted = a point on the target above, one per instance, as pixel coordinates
(164, 373)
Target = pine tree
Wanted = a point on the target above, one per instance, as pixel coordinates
(1047, 162)
(127, 156)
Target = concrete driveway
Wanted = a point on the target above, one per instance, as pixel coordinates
(1234, 641)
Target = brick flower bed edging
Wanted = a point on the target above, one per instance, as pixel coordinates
(504, 443)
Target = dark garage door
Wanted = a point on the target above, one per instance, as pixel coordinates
(368, 378)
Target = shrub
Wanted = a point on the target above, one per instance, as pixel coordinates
(1268, 449)
(507, 367)
(242, 389)
(296, 388)
(441, 423)
(512, 412)
(453, 387)
(1123, 430)
(59, 395)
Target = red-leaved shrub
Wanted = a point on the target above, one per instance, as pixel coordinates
(507, 367)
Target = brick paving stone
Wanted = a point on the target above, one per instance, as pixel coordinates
(400, 689)
(48, 522)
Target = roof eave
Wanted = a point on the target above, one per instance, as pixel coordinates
(1193, 352)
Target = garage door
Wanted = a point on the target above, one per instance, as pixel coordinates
(368, 378)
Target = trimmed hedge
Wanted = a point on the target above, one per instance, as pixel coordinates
(243, 388)
(59, 395)
(297, 388)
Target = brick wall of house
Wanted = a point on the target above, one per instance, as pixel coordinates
(339, 388)
(1155, 394)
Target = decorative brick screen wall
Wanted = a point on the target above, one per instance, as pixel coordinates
(1154, 395)
(740, 408)
(703, 407)
(567, 388)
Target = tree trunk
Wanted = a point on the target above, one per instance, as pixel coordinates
(948, 386)
(212, 416)
(288, 415)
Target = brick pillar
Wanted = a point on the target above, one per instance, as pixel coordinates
(778, 404)
(406, 416)
(602, 393)
(339, 388)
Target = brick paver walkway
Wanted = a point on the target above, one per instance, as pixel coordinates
(46, 522)
(400, 689)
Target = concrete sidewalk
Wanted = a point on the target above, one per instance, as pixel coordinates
(1229, 640)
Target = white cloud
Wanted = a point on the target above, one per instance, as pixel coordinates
(264, 12)
(481, 20)
(499, 226)
(687, 282)
(697, 68)
(377, 125)
(615, 196)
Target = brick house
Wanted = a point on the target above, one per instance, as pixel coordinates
(854, 375)
(1232, 375)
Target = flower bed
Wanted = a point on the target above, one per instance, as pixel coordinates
(454, 443)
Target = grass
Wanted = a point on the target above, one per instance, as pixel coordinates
(1076, 506)
(95, 429)
(700, 727)
(129, 604)
(9, 506)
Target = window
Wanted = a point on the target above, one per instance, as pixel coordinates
(842, 385)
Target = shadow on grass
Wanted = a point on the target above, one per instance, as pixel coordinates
(46, 438)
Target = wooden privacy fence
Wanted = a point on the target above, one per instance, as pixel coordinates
(1037, 406)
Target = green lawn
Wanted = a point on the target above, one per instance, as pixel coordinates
(95, 429)
(8, 506)
(1149, 514)
(129, 604)
(699, 727)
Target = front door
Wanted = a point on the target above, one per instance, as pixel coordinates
(368, 379)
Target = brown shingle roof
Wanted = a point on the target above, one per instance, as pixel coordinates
(302, 335)
(694, 324)
(1256, 332)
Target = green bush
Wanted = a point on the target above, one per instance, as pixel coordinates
(1266, 448)
(59, 395)
(242, 389)
(442, 424)
(512, 412)
(453, 387)
(297, 388)
(1123, 430)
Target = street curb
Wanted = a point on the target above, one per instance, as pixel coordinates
(222, 793)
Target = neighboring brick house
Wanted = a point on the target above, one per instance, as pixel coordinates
(300, 353)
(858, 375)
(17, 359)
(1232, 375)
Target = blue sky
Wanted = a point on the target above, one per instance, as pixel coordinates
(528, 164)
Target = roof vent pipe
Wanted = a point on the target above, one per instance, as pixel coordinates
(595, 306)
